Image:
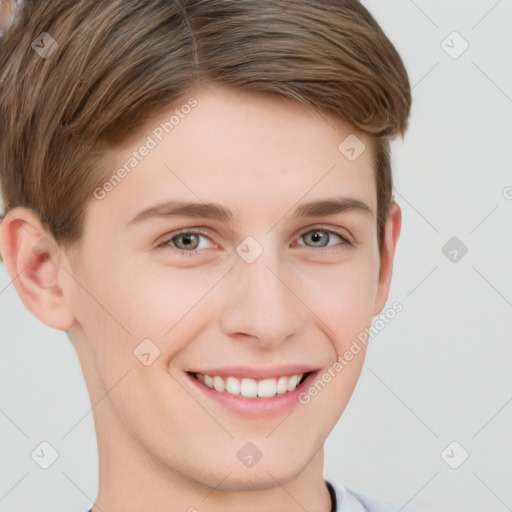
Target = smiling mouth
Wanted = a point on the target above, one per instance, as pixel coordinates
(252, 388)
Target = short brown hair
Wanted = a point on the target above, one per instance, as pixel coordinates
(119, 62)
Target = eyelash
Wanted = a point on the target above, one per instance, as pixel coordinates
(187, 254)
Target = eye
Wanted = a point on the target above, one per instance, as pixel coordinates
(185, 241)
(320, 238)
(189, 242)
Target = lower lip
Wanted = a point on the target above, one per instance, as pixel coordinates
(256, 407)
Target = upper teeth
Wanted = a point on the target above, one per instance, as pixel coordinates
(250, 388)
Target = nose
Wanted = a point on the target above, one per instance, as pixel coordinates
(263, 302)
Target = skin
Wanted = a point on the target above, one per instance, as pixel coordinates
(163, 445)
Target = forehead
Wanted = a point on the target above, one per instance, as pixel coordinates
(248, 150)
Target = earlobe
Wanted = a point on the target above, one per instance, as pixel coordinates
(392, 233)
(32, 259)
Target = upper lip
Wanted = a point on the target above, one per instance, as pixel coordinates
(252, 372)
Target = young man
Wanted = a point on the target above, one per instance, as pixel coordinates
(199, 194)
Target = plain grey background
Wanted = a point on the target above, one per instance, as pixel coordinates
(429, 423)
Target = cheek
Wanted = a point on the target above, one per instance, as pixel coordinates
(161, 299)
(343, 298)
(169, 306)
(149, 298)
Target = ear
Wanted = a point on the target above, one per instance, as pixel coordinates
(392, 232)
(32, 258)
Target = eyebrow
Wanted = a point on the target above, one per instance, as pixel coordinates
(216, 211)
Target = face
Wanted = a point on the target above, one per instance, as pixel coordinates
(239, 252)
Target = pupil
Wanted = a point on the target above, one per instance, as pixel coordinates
(186, 240)
(317, 237)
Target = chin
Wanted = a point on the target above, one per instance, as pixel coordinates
(256, 480)
(268, 472)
